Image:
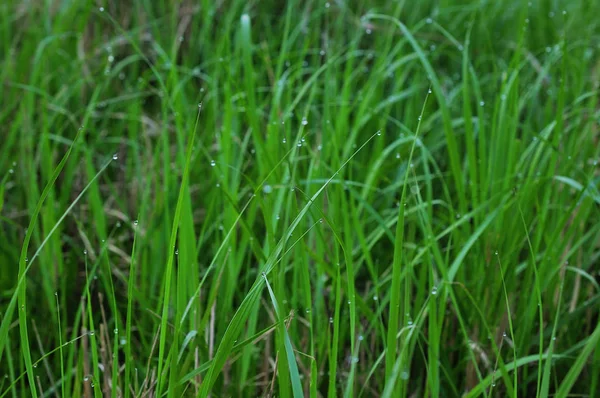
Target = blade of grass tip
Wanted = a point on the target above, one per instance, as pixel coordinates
(171, 250)
(130, 292)
(510, 325)
(543, 392)
(95, 377)
(289, 350)
(333, 356)
(60, 347)
(538, 292)
(391, 352)
(21, 285)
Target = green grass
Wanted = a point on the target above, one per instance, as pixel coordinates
(375, 198)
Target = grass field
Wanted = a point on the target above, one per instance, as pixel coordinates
(300, 198)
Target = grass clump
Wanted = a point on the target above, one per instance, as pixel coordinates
(295, 198)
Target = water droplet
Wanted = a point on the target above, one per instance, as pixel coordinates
(379, 132)
(330, 319)
(135, 223)
(86, 378)
(493, 384)
(327, 5)
(11, 171)
(177, 252)
(375, 298)
(404, 375)
(321, 220)
(35, 365)
(481, 103)
(419, 118)
(212, 163)
(116, 331)
(92, 333)
(322, 52)
(496, 252)
(284, 140)
(111, 58)
(554, 338)
(115, 156)
(267, 189)
(101, 9)
(429, 91)
(349, 302)
(304, 121)
(434, 291)
(85, 252)
(503, 334)
(368, 31)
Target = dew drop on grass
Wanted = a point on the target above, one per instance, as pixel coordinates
(212, 163)
(327, 5)
(429, 91)
(361, 337)
(429, 20)
(330, 319)
(92, 333)
(135, 223)
(481, 103)
(404, 375)
(111, 58)
(85, 252)
(368, 31)
(267, 189)
(434, 291)
(304, 121)
(101, 9)
(115, 156)
(11, 171)
(177, 252)
(116, 331)
(503, 334)
(379, 132)
(375, 298)
(284, 141)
